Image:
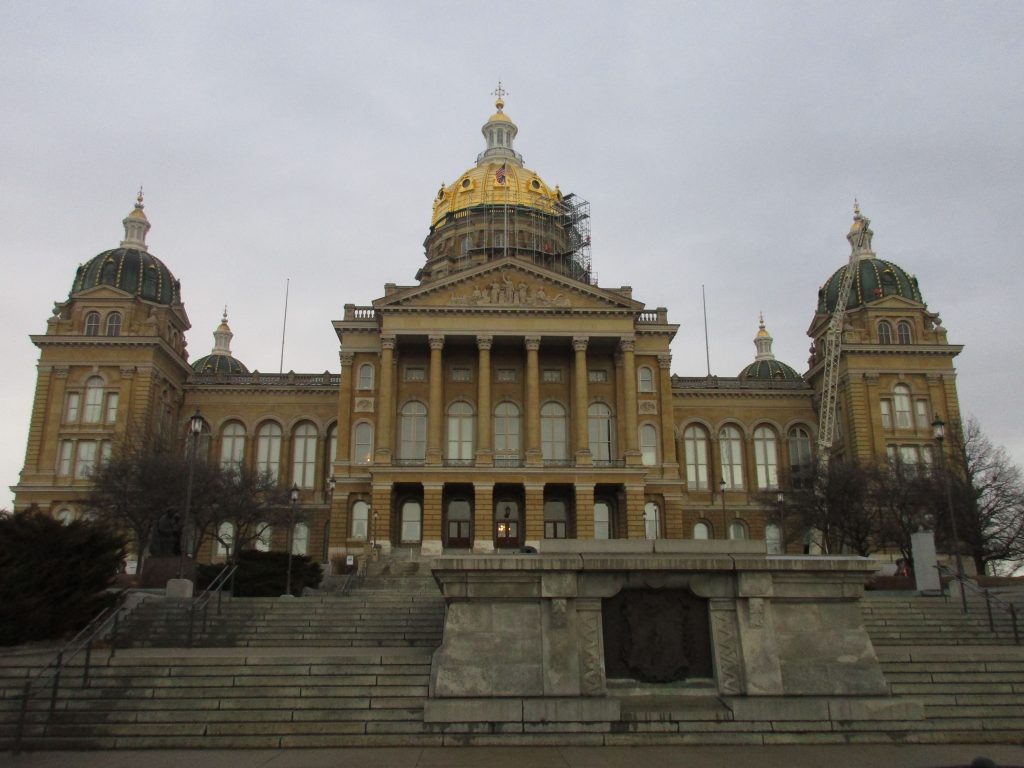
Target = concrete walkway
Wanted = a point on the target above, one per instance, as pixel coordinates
(867, 756)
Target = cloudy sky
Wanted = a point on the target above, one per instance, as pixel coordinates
(720, 144)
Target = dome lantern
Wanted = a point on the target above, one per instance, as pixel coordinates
(860, 235)
(136, 226)
(500, 132)
(220, 361)
(765, 367)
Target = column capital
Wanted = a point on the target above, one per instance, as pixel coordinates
(665, 362)
(484, 341)
(436, 342)
(579, 343)
(60, 371)
(388, 342)
(127, 371)
(346, 357)
(627, 343)
(532, 343)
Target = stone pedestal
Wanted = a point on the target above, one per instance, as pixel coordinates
(926, 572)
(179, 588)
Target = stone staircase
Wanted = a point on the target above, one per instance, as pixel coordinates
(296, 672)
(935, 621)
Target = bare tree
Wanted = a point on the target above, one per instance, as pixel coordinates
(251, 501)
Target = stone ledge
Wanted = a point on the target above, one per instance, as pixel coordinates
(846, 709)
(518, 710)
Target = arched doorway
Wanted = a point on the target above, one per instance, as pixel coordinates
(507, 523)
(458, 511)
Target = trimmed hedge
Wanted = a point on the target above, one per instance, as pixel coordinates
(263, 574)
(53, 577)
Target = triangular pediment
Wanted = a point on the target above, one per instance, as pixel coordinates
(508, 284)
(103, 291)
(893, 302)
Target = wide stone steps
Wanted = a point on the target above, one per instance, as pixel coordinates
(936, 621)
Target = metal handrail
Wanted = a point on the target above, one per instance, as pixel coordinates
(984, 592)
(105, 621)
(202, 602)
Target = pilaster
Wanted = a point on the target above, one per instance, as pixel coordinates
(635, 512)
(484, 448)
(386, 411)
(627, 346)
(533, 452)
(583, 455)
(584, 510)
(344, 432)
(669, 460)
(435, 408)
(380, 526)
(483, 517)
(534, 522)
(432, 516)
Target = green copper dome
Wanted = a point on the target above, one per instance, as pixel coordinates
(874, 279)
(219, 364)
(130, 270)
(769, 370)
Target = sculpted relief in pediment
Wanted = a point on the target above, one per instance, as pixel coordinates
(505, 291)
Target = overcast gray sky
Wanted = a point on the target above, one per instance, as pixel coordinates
(718, 143)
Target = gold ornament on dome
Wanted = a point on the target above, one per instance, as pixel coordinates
(508, 293)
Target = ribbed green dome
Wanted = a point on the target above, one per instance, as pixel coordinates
(874, 279)
(214, 364)
(769, 370)
(131, 270)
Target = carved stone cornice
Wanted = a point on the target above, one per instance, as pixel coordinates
(627, 343)
(346, 358)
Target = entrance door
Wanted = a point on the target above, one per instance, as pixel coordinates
(506, 525)
(459, 531)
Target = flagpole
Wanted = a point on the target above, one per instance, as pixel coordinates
(505, 182)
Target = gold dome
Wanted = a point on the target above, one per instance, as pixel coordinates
(480, 186)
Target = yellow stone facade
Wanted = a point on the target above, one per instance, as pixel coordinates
(501, 400)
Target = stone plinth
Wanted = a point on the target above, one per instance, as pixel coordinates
(530, 626)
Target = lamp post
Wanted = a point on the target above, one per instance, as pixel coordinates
(373, 532)
(291, 532)
(195, 428)
(331, 483)
(939, 433)
(721, 493)
(781, 499)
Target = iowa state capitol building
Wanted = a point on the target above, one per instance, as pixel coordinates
(502, 399)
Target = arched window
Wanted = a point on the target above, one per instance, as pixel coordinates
(65, 516)
(114, 324)
(553, 443)
(652, 520)
(268, 450)
(304, 455)
(265, 537)
(773, 539)
(555, 519)
(737, 530)
(412, 517)
(93, 400)
(695, 444)
(300, 539)
(365, 379)
(701, 530)
(766, 458)
(644, 379)
(901, 403)
(232, 446)
(799, 457)
(363, 443)
(884, 332)
(332, 449)
(360, 520)
(113, 399)
(202, 443)
(413, 431)
(92, 324)
(225, 539)
(648, 445)
(506, 427)
(730, 444)
(599, 430)
(602, 519)
(460, 431)
(903, 333)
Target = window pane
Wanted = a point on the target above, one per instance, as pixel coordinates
(304, 456)
(696, 448)
(265, 537)
(225, 538)
(903, 334)
(86, 458)
(506, 427)
(363, 443)
(67, 449)
(360, 519)
(92, 324)
(114, 324)
(648, 445)
(93, 400)
(71, 412)
(300, 539)
(599, 428)
(737, 530)
(901, 401)
(553, 432)
(886, 409)
(414, 431)
(652, 520)
(921, 408)
(602, 520)
(730, 445)
(766, 458)
(112, 402)
(268, 450)
(645, 379)
(411, 522)
(232, 446)
(365, 380)
(460, 431)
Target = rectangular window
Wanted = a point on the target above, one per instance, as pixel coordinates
(105, 451)
(921, 414)
(71, 412)
(112, 401)
(890, 453)
(926, 455)
(886, 407)
(67, 449)
(597, 376)
(461, 374)
(415, 374)
(86, 458)
(552, 376)
(602, 520)
(909, 456)
(506, 375)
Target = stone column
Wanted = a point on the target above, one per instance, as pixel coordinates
(433, 516)
(583, 455)
(484, 449)
(669, 460)
(627, 346)
(534, 514)
(635, 512)
(533, 453)
(483, 517)
(584, 510)
(385, 411)
(435, 408)
(344, 431)
(380, 526)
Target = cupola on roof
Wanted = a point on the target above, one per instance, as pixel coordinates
(130, 267)
(873, 279)
(220, 359)
(765, 367)
(499, 176)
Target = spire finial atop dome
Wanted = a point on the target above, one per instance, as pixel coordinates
(856, 208)
(500, 131)
(500, 93)
(136, 225)
(860, 235)
(763, 341)
(222, 336)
